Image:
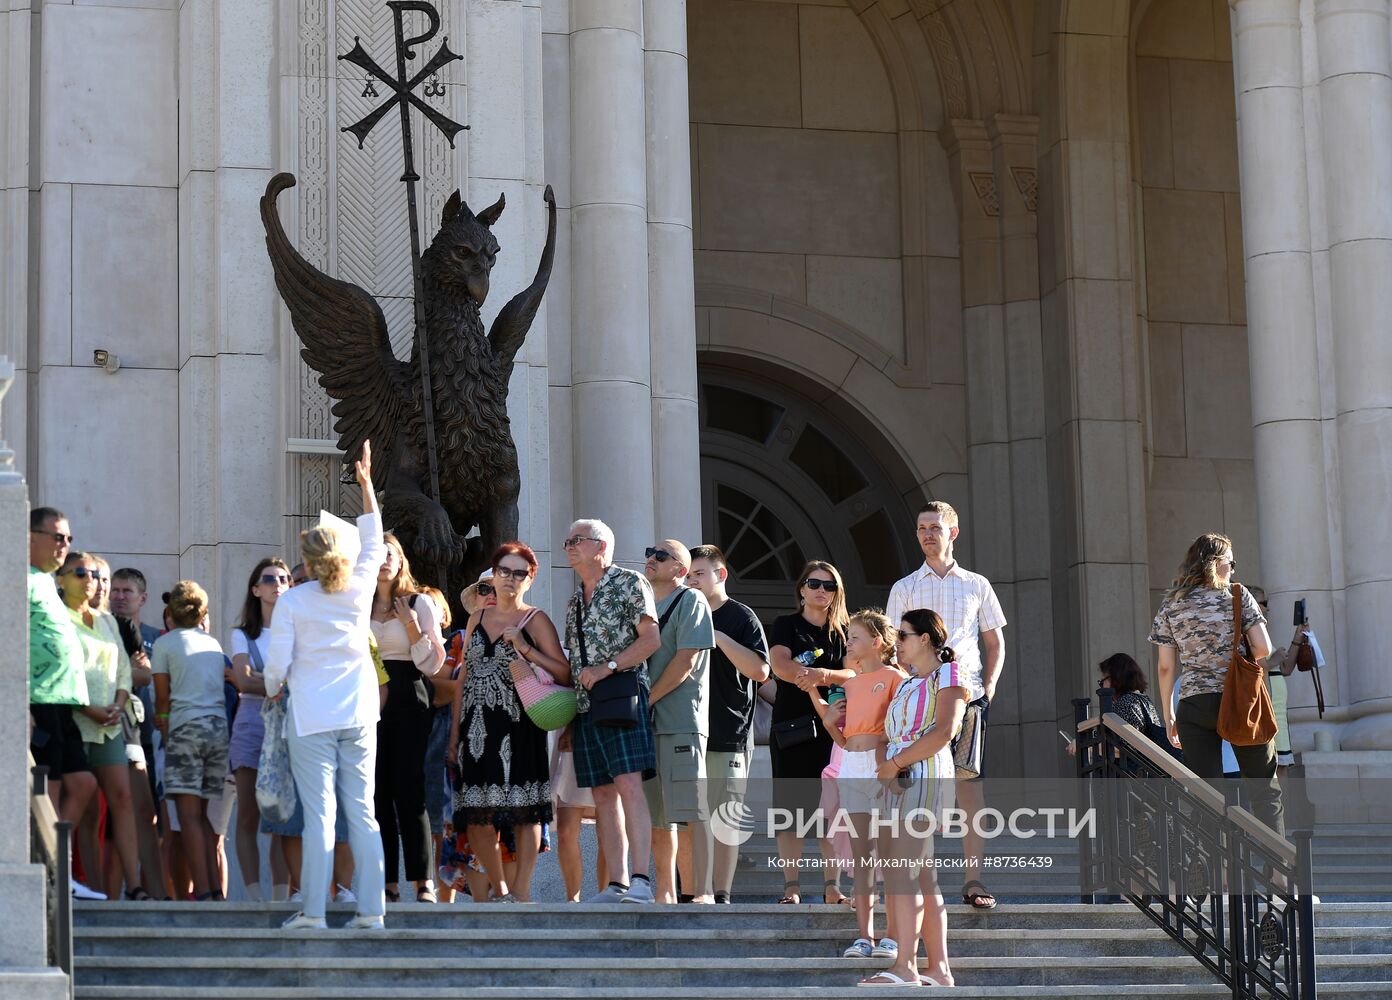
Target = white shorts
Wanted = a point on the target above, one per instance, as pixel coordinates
(219, 809)
(857, 787)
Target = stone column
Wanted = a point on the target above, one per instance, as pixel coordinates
(671, 282)
(1281, 312)
(21, 883)
(610, 355)
(1355, 60)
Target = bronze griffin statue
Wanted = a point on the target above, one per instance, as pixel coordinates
(344, 337)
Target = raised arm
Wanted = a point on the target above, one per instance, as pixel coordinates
(373, 549)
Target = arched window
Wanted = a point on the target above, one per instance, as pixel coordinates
(782, 482)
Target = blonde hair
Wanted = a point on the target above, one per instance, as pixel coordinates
(188, 604)
(877, 623)
(1199, 568)
(446, 618)
(324, 559)
(405, 584)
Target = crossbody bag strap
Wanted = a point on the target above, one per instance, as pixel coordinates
(662, 622)
(580, 629)
(1237, 622)
(254, 652)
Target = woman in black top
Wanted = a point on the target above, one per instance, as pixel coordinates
(799, 746)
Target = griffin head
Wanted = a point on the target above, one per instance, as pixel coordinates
(463, 251)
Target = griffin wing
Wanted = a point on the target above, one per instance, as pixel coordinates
(344, 338)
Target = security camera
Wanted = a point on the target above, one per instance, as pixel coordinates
(106, 360)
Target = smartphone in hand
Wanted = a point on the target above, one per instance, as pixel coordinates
(1300, 616)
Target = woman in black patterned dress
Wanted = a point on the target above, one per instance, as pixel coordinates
(504, 778)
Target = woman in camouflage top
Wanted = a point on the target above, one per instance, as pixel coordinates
(1193, 631)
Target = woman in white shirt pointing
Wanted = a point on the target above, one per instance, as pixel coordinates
(319, 646)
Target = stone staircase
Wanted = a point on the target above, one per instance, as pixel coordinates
(236, 951)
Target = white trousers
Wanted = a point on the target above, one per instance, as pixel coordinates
(344, 760)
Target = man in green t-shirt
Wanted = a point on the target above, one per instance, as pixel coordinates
(57, 680)
(680, 673)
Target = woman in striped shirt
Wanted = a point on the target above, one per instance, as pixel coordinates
(923, 716)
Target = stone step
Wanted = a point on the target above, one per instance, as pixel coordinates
(677, 943)
(34, 984)
(1146, 940)
(606, 973)
(464, 916)
(1160, 991)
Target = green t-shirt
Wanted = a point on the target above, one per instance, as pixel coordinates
(57, 675)
(684, 710)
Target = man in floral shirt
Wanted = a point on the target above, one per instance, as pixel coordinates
(611, 626)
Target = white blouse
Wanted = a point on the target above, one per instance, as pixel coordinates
(393, 643)
(319, 645)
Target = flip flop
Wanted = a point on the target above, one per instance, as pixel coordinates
(829, 887)
(981, 899)
(887, 978)
(791, 896)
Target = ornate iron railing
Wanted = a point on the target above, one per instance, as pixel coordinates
(51, 846)
(1222, 884)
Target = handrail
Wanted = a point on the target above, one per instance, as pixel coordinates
(51, 838)
(1223, 885)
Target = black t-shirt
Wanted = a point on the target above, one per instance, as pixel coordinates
(732, 693)
(800, 635)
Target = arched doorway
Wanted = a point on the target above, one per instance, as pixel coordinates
(783, 481)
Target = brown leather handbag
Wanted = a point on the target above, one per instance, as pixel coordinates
(1246, 717)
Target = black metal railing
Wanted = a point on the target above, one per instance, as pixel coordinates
(51, 846)
(1226, 887)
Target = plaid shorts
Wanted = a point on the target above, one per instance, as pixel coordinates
(602, 753)
(195, 759)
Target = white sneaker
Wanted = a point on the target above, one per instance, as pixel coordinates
(610, 894)
(366, 923)
(296, 897)
(300, 922)
(345, 895)
(81, 891)
(639, 891)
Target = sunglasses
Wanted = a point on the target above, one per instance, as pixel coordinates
(484, 589)
(575, 540)
(274, 578)
(813, 583)
(82, 573)
(503, 573)
(57, 536)
(906, 636)
(661, 555)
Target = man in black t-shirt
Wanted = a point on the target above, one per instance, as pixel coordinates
(738, 665)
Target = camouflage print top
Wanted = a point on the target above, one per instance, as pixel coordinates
(621, 600)
(1200, 625)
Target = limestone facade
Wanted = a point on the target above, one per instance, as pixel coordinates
(1103, 275)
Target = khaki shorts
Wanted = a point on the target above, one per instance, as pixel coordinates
(727, 779)
(677, 794)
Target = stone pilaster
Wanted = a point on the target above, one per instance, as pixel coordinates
(611, 358)
(671, 281)
(1287, 429)
(1354, 41)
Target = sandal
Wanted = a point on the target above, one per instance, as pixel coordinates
(978, 898)
(888, 978)
(138, 895)
(205, 897)
(393, 896)
(426, 894)
(829, 887)
(791, 896)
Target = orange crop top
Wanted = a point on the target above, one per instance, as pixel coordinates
(867, 700)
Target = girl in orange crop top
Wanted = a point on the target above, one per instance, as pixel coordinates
(857, 724)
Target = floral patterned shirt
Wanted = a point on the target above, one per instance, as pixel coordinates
(621, 600)
(1200, 626)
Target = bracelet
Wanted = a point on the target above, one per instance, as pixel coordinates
(162, 715)
(897, 766)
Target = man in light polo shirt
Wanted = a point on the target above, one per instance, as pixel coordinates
(971, 612)
(680, 696)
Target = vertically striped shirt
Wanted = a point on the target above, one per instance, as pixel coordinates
(968, 606)
(911, 715)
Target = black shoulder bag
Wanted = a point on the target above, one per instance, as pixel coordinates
(616, 701)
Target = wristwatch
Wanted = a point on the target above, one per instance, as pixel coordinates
(612, 665)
